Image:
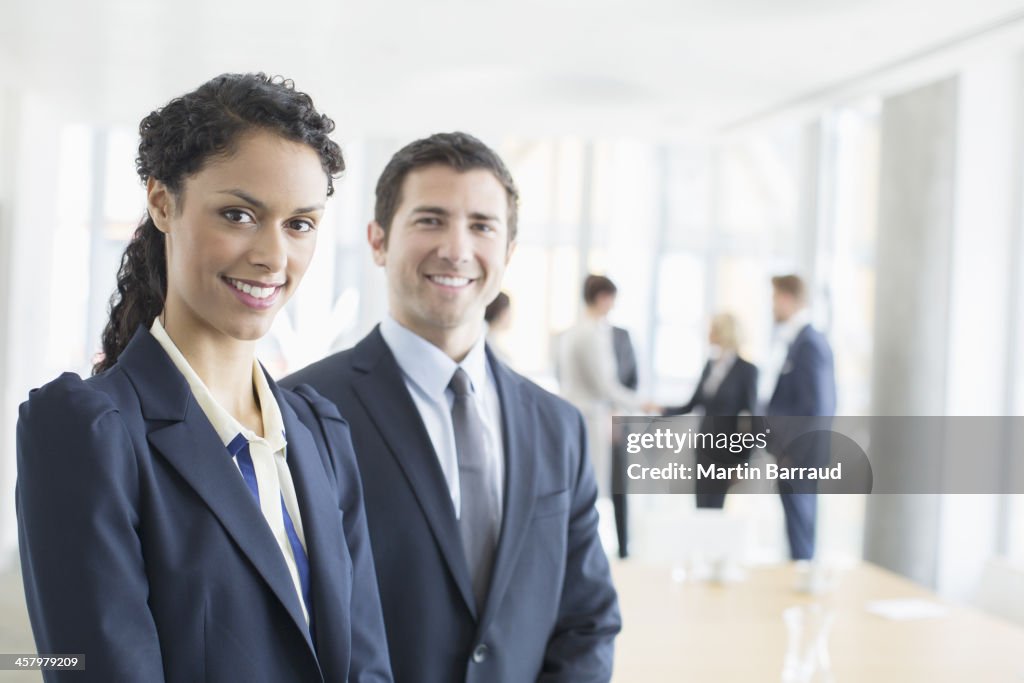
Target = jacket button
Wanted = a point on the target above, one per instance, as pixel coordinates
(480, 653)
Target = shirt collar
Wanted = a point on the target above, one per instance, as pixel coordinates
(789, 330)
(725, 357)
(226, 426)
(427, 366)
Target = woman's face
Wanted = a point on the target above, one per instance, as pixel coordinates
(240, 236)
(714, 338)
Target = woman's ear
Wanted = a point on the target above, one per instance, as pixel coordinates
(160, 203)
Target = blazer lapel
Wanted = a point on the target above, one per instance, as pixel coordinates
(325, 536)
(191, 445)
(382, 391)
(519, 426)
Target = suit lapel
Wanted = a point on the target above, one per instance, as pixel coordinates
(519, 426)
(381, 389)
(190, 444)
(324, 536)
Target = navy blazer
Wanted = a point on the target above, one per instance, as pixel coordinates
(737, 393)
(805, 397)
(551, 613)
(143, 549)
(807, 384)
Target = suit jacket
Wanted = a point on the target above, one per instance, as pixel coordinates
(625, 358)
(143, 549)
(807, 384)
(551, 613)
(737, 393)
(805, 400)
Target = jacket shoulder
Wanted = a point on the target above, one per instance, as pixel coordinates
(304, 398)
(323, 370)
(77, 420)
(815, 341)
(71, 399)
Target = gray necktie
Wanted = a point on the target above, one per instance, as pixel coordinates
(479, 517)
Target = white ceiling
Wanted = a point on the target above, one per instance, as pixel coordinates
(661, 67)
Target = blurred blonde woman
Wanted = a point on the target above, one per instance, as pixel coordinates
(727, 389)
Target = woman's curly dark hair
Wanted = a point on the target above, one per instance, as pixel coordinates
(176, 141)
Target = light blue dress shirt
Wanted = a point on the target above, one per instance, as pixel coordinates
(427, 370)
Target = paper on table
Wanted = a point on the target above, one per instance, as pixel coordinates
(905, 609)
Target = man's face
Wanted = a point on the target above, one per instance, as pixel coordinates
(784, 305)
(604, 303)
(446, 251)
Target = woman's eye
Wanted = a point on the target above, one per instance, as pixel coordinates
(303, 225)
(238, 216)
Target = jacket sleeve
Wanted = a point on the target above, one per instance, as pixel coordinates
(81, 556)
(370, 660)
(581, 647)
(695, 401)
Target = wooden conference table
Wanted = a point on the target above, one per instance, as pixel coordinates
(698, 632)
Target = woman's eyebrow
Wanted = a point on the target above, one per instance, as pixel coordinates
(248, 198)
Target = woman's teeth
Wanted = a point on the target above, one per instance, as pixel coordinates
(254, 292)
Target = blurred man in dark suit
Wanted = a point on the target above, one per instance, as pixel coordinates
(805, 389)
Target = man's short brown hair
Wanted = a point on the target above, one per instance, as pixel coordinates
(459, 151)
(792, 285)
(596, 285)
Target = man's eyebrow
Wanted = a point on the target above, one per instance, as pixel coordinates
(439, 211)
(431, 209)
(246, 197)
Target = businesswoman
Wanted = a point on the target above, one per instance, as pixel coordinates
(180, 516)
(727, 393)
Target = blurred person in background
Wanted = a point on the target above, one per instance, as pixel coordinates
(180, 516)
(727, 396)
(804, 396)
(589, 366)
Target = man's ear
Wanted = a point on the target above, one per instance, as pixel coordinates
(511, 249)
(160, 203)
(378, 241)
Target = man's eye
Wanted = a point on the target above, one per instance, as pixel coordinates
(238, 216)
(483, 227)
(427, 220)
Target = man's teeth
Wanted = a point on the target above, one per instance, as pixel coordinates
(450, 281)
(254, 292)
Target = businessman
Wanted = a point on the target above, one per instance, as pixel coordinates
(805, 397)
(597, 374)
(479, 490)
